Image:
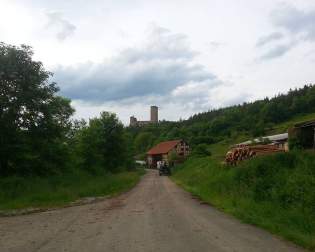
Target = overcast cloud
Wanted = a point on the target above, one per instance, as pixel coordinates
(297, 25)
(183, 56)
(161, 65)
(296, 21)
(269, 38)
(62, 27)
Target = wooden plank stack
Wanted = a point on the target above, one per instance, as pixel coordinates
(240, 153)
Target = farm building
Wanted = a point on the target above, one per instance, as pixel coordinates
(256, 147)
(279, 140)
(303, 134)
(164, 150)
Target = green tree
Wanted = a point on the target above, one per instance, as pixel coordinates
(143, 141)
(105, 145)
(34, 120)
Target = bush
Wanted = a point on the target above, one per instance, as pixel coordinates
(201, 150)
(286, 179)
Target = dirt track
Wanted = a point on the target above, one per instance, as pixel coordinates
(155, 216)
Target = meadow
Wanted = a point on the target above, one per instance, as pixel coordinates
(58, 190)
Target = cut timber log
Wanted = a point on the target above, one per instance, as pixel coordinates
(235, 155)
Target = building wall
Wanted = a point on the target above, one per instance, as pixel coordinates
(154, 114)
(154, 118)
(165, 157)
(303, 136)
(182, 150)
(143, 123)
(133, 121)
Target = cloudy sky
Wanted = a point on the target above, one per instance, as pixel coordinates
(183, 56)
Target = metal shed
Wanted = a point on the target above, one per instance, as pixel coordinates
(303, 134)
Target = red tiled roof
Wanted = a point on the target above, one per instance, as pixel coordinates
(163, 147)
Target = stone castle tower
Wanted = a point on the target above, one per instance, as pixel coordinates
(154, 114)
(154, 118)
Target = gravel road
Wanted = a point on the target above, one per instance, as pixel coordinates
(154, 216)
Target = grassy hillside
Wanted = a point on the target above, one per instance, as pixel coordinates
(275, 192)
(283, 127)
(58, 190)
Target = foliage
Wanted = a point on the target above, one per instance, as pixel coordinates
(201, 150)
(250, 120)
(37, 136)
(34, 120)
(143, 141)
(276, 192)
(295, 144)
(57, 190)
(104, 144)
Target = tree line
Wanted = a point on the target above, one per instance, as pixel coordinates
(37, 134)
(250, 119)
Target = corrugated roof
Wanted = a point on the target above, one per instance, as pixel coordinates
(163, 147)
(278, 137)
(273, 138)
(305, 124)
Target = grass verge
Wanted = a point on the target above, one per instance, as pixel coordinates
(58, 190)
(274, 192)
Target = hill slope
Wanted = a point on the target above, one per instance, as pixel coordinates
(236, 122)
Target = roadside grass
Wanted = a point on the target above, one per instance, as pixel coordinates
(275, 192)
(58, 190)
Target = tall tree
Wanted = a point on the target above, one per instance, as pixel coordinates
(33, 118)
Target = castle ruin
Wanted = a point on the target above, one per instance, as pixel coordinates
(154, 118)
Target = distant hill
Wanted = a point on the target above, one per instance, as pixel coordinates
(270, 115)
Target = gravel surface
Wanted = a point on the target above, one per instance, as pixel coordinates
(154, 216)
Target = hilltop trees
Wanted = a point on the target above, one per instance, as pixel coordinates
(249, 119)
(34, 120)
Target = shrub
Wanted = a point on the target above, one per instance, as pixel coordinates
(201, 150)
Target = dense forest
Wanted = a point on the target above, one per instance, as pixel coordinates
(251, 119)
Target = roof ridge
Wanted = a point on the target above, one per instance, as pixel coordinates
(163, 147)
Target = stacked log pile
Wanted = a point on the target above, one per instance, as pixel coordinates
(238, 154)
